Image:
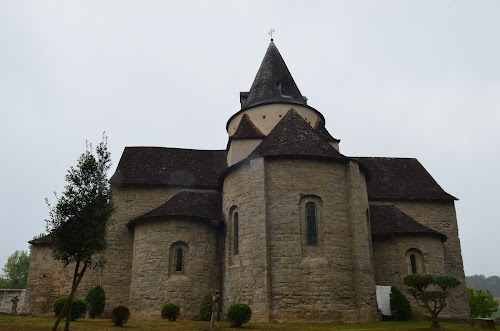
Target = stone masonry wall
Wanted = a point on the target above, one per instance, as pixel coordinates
(246, 273)
(333, 281)
(6, 295)
(441, 217)
(154, 279)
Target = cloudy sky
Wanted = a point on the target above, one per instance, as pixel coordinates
(392, 78)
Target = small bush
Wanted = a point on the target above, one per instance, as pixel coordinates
(170, 311)
(400, 306)
(96, 299)
(120, 315)
(238, 314)
(206, 306)
(78, 307)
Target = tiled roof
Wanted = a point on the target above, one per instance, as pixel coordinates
(400, 178)
(294, 136)
(46, 240)
(273, 83)
(205, 205)
(170, 166)
(247, 130)
(388, 221)
(323, 133)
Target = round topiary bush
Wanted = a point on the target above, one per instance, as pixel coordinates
(96, 299)
(238, 314)
(120, 315)
(206, 306)
(400, 306)
(170, 311)
(78, 307)
(58, 305)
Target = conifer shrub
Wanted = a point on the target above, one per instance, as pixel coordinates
(170, 311)
(206, 306)
(400, 305)
(238, 314)
(96, 299)
(78, 307)
(120, 315)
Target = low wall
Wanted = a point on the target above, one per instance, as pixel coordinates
(6, 295)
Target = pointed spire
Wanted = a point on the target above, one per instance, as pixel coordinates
(273, 83)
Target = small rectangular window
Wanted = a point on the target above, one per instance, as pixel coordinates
(311, 224)
(235, 234)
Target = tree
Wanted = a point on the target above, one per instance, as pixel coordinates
(400, 306)
(96, 299)
(78, 222)
(482, 304)
(16, 270)
(431, 292)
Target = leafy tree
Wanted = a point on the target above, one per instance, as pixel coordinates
(481, 282)
(16, 270)
(79, 220)
(206, 305)
(482, 304)
(431, 292)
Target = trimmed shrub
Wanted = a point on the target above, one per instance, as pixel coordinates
(238, 314)
(58, 305)
(120, 315)
(400, 306)
(78, 307)
(96, 299)
(206, 306)
(170, 311)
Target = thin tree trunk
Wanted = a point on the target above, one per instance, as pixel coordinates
(70, 300)
(72, 294)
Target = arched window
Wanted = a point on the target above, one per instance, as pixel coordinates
(236, 230)
(415, 261)
(311, 225)
(179, 259)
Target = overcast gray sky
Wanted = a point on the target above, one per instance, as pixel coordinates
(392, 78)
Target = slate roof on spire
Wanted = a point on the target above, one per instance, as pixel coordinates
(247, 130)
(273, 83)
(294, 136)
(388, 221)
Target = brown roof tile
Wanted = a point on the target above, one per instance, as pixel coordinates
(294, 136)
(400, 179)
(46, 240)
(247, 130)
(388, 221)
(205, 205)
(170, 166)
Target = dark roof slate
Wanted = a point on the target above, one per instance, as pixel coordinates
(388, 221)
(400, 178)
(294, 136)
(205, 205)
(273, 83)
(170, 166)
(247, 130)
(46, 240)
(323, 133)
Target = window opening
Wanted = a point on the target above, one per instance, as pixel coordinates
(235, 234)
(414, 264)
(311, 224)
(179, 259)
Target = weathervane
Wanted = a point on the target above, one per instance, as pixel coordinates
(271, 33)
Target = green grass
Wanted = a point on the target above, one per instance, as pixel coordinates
(46, 323)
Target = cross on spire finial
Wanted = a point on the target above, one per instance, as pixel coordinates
(271, 33)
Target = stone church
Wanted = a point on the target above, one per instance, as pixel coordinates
(280, 220)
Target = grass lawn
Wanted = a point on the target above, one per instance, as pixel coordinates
(46, 323)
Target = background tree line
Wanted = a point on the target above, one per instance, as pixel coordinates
(481, 282)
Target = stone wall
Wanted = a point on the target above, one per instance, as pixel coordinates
(441, 216)
(154, 280)
(6, 295)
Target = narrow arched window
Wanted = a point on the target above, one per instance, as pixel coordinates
(413, 264)
(236, 230)
(179, 259)
(311, 224)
